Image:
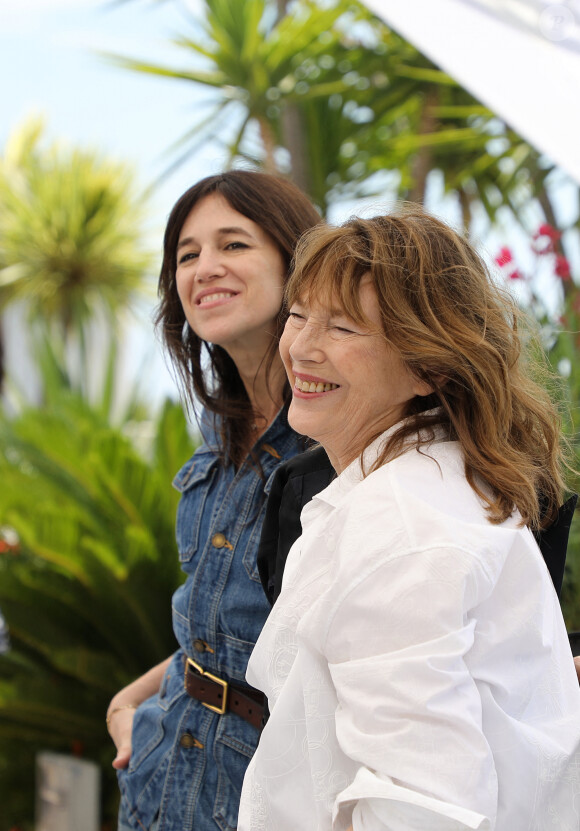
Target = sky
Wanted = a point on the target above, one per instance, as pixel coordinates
(51, 64)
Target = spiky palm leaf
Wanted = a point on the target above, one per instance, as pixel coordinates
(364, 99)
(86, 595)
(70, 233)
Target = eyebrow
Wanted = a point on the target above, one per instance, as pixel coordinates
(333, 311)
(222, 232)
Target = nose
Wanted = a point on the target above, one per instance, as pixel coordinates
(209, 265)
(305, 344)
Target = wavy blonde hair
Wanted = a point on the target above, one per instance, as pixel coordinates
(458, 331)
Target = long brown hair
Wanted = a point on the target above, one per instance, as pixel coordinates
(205, 372)
(457, 330)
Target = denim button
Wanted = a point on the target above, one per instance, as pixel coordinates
(219, 541)
(187, 740)
(199, 645)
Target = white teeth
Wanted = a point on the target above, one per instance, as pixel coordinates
(311, 386)
(209, 298)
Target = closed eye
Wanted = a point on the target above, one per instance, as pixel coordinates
(235, 246)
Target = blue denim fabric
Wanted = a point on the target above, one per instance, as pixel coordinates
(217, 616)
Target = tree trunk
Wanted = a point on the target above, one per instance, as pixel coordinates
(293, 138)
(548, 209)
(465, 204)
(293, 131)
(269, 146)
(423, 161)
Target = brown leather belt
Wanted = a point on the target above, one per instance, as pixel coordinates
(222, 696)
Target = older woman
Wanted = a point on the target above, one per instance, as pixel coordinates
(416, 663)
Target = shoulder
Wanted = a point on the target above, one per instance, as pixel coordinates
(430, 479)
(420, 501)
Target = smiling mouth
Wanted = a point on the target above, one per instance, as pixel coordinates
(212, 298)
(313, 386)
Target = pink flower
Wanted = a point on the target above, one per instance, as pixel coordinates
(504, 257)
(515, 275)
(562, 267)
(545, 238)
(547, 230)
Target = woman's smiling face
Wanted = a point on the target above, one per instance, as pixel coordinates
(348, 384)
(230, 277)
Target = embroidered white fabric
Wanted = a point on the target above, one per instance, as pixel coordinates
(416, 665)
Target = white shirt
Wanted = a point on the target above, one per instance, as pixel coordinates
(416, 665)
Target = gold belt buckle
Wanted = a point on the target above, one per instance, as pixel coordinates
(219, 710)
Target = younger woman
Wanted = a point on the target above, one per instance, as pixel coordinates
(185, 731)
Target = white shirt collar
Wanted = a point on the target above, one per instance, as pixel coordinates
(353, 474)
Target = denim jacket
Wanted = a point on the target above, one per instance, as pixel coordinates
(188, 763)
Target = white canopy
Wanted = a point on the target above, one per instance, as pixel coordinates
(521, 58)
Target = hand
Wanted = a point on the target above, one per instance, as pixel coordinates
(120, 730)
(121, 710)
(577, 665)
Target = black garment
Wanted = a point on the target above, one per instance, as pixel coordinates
(294, 484)
(298, 480)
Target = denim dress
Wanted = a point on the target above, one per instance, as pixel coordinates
(188, 763)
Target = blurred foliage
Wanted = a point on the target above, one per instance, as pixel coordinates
(87, 553)
(564, 350)
(329, 95)
(71, 247)
(87, 570)
(551, 275)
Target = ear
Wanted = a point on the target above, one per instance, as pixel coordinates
(422, 388)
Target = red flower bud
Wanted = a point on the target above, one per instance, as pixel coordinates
(562, 267)
(547, 230)
(504, 257)
(545, 237)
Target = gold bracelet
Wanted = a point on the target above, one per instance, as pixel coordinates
(116, 710)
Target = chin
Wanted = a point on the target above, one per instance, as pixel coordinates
(304, 426)
(298, 422)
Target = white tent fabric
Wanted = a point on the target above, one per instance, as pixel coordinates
(521, 58)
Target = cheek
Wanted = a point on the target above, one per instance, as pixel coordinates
(272, 271)
(274, 291)
(182, 285)
(284, 346)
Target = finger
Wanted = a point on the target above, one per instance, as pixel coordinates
(122, 758)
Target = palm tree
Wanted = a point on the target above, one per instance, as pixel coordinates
(331, 96)
(257, 63)
(70, 238)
